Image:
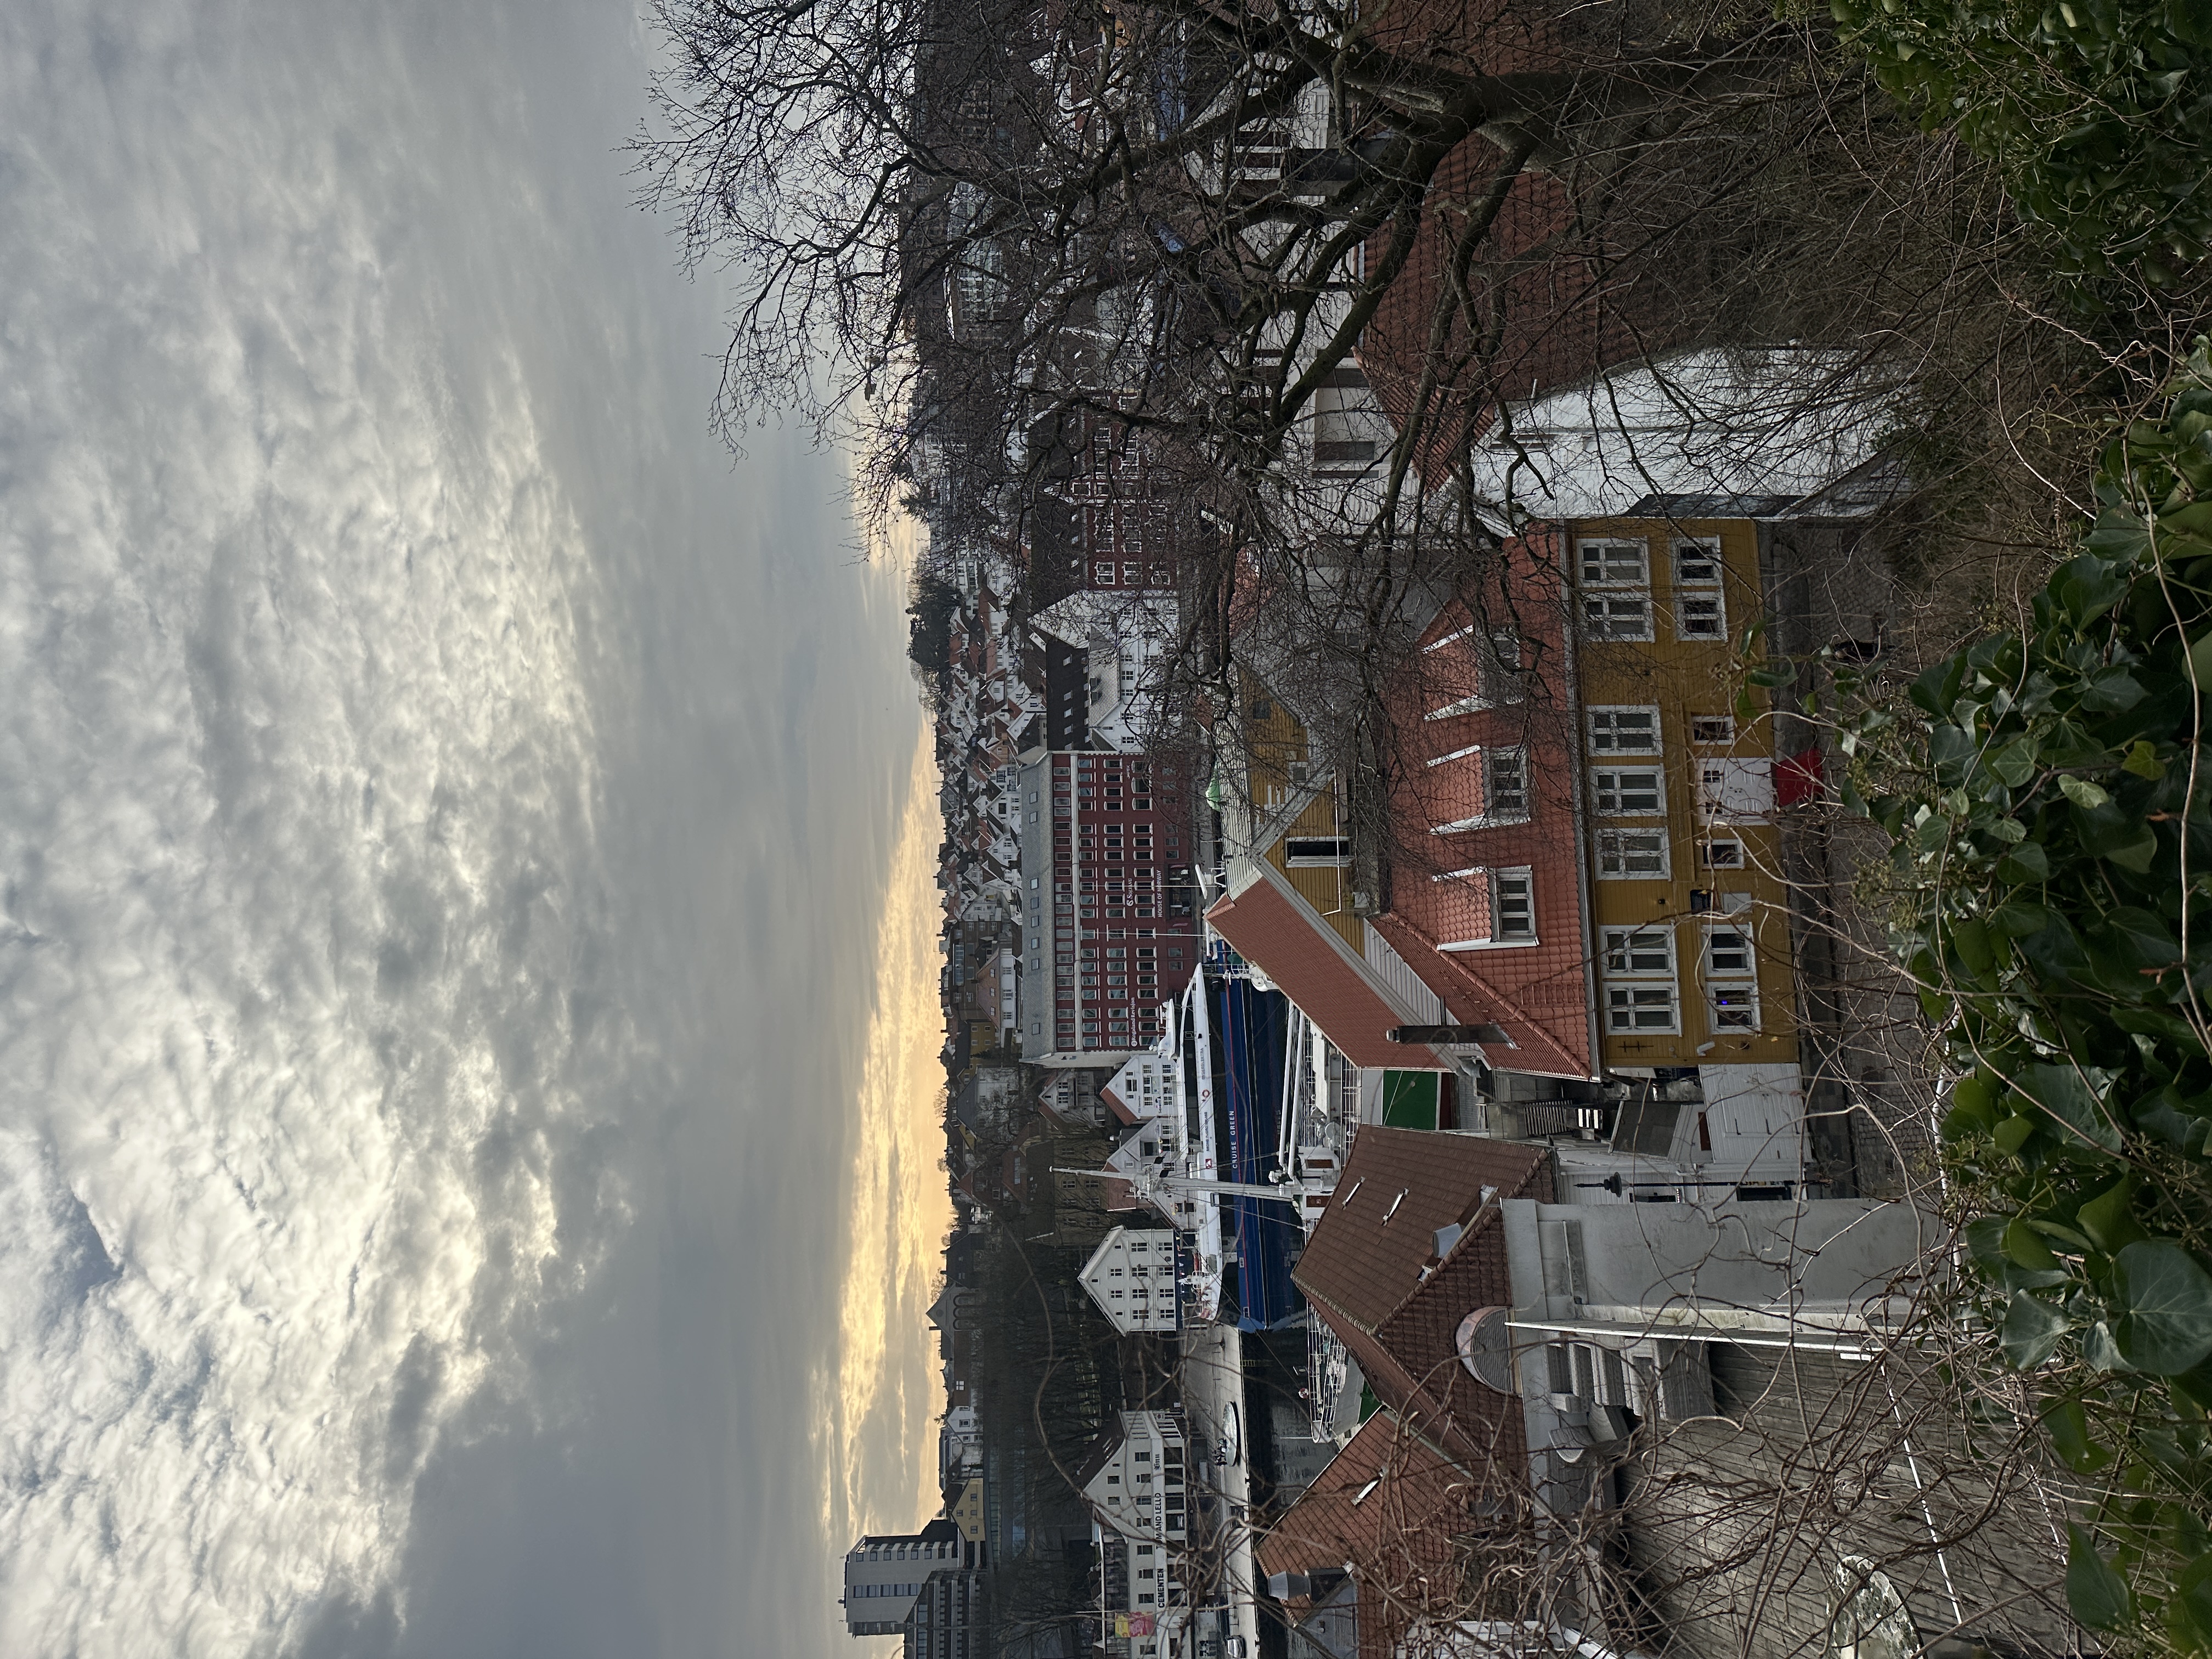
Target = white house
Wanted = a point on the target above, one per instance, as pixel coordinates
(1132, 1277)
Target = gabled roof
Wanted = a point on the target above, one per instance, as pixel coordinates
(1271, 926)
(1397, 1188)
(1390, 1507)
(1371, 1273)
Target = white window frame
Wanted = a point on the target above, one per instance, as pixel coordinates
(1727, 720)
(1493, 759)
(1742, 931)
(1731, 987)
(1492, 881)
(1614, 847)
(1498, 672)
(1628, 1001)
(1739, 996)
(1605, 782)
(1606, 617)
(1701, 616)
(1706, 849)
(1612, 595)
(1620, 949)
(1598, 551)
(1602, 723)
(1526, 877)
(1688, 551)
(1337, 860)
(1635, 983)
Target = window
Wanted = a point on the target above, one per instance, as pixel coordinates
(1623, 570)
(1615, 616)
(1624, 730)
(1700, 616)
(1698, 562)
(1720, 855)
(1504, 784)
(1712, 728)
(1512, 904)
(1614, 564)
(1625, 792)
(1632, 951)
(1700, 612)
(1728, 953)
(1497, 678)
(1632, 854)
(1309, 850)
(1733, 1007)
(1731, 979)
(1641, 1008)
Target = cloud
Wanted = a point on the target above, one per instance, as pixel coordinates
(445, 824)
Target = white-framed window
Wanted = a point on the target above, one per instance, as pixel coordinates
(1624, 730)
(1701, 609)
(1504, 784)
(1635, 1007)
(1616, 577)
(1512, 904)
(1610, 562)
(1725, 854)
(1731, 952)
(1308, 852)
(1639, 952)
(1733, 1007)
(1698, 561)
(1632, 854)
(1700, 615)
(1617, 617)
(1630, 791)
(1714, 729)
(1731, 978)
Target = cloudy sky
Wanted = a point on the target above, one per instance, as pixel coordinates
(467, 965)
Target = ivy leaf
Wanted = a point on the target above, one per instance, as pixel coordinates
(2111, 691)
(2097, 1596)
(2082, 793)
(2136, 855)
(2088, 586)
(2031, 1331)
(2024, 863)
(2165, 1302)
(2023, 1245)
(2019, 919)
(2067, 1425)
(2143, 760)
(2109, 1218)
(2192, 1602)
(2014, 762)
(2066, 1094)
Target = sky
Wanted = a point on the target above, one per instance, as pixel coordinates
(467, 960)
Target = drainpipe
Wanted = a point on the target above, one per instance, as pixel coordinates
(1571, 651)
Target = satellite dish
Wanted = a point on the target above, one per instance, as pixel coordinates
(1486, 1348)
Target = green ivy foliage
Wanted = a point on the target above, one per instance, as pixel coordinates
(2098, 111)
(2047, 795)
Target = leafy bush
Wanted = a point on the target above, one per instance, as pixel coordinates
(2048, 800)
(2098, 112)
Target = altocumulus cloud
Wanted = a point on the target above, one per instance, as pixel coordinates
(445, 817)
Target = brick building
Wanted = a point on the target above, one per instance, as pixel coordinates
(1111, 925)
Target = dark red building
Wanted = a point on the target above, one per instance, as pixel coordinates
(1110, 923)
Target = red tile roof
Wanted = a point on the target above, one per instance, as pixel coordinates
(1363, 1272)
(1276, 931)
(1393, 1508)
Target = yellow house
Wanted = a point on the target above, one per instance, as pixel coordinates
(1690, 913)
